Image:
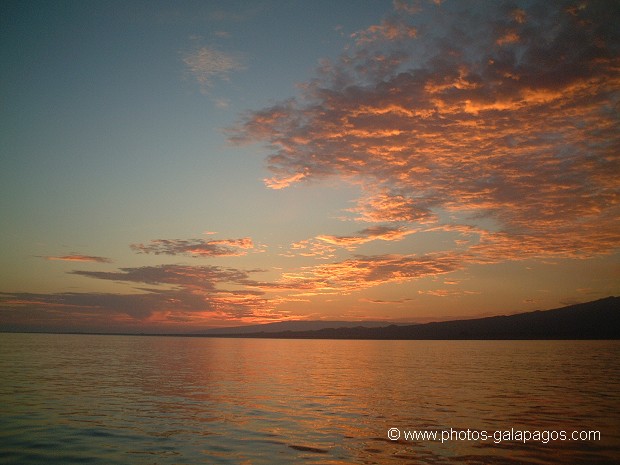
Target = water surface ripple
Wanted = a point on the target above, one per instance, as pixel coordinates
(175, 400)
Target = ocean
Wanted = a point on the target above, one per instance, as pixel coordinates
(101, 399)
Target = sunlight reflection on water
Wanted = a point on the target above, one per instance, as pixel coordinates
(175, 400)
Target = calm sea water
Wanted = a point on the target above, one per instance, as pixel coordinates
(173, 400)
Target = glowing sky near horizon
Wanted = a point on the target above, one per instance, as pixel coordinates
(173, 166)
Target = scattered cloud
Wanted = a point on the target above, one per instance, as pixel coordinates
(177, 295)
(504, 113)
(362, 272)
(389, 29)
(222, 103)
(155, 308)
(406, 7)
(202, 277)
(196, 247)
(207, 64)
(79, 258)
(311, 248)
(497, 126)
(386, 206)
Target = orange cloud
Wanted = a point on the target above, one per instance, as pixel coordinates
(510, 37)
(324, 246)
(312, 248)
(389, 29)
(363, 272)
(446, 292)
(386, 206)
(484, 117)
(384, 233)
(497, 127)
(281, 183)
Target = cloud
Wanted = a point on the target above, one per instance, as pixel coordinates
(79, 258)
(178, 295)
(385, 302)
(385, 206)
(208, 64)
(362, 272)
(495, 125)
(389, 29)
(311, 248)
(406, 7)
(506, 113)
(324, 246)
(202, 277)
(222, 103)
(106, 311)
(196, 247)
(182, 296)
(384, 233)
(446, 292)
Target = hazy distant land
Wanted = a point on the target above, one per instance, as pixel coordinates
(599, 319)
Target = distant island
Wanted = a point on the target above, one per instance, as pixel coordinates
(599, 319)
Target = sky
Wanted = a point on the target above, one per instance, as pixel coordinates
(174, 166)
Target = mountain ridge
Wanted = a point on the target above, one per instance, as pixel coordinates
(599, 319)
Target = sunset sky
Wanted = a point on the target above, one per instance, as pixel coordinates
(172, 166)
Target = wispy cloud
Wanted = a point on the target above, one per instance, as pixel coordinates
(196, 247)
(311, 248)
(390, 29)
(373, 233)
(362, 272)
(446, 292)
(78, 258)
(385, 302)
(203, 277)
(207, 64)
(324, 245)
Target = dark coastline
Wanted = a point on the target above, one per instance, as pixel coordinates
(596, 320)
(599, 319)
